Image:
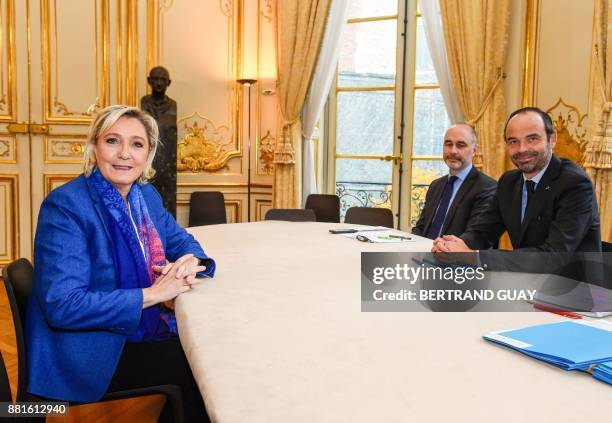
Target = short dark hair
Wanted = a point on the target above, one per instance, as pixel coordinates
(546, 119)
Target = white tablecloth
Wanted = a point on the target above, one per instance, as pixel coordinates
(278, 336)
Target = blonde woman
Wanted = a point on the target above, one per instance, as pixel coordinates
(107, 255)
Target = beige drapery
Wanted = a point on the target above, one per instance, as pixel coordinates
(300, 29)
(476, 35)
(598, 155)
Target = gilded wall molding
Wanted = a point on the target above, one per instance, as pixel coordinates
(9, 189)
(56, 111)
(530, 50)
(266, 10)
(8, 64)
(261, 207)
(8, 148)
(54, 180)
(208, 146)
(64, 148)
(233, 211)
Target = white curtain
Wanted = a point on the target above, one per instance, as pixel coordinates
(319, 89)
(432, 20)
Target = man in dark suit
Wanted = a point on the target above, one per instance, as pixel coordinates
(547, 205)
(454, 200)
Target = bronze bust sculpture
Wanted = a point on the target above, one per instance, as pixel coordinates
(163, 110)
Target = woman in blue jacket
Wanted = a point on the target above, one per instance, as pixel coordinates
(107, 256)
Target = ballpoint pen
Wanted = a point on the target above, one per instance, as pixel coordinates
(407, 238)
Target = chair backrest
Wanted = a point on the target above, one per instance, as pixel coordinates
(5, 387)
(18, 279)
(325, 206)
(291, 215)
(369, 216)
(207, 208)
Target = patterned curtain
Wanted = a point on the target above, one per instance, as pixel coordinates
(299, 33)
(476, 34)
(598, 158)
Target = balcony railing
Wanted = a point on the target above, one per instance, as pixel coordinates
(377, 194)
(363, 194)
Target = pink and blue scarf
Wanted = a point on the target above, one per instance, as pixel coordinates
(134, 262)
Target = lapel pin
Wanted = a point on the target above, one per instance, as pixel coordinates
(547, 187)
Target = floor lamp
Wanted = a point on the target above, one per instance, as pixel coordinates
(247, 83)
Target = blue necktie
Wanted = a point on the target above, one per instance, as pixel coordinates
(530, 185)
(438, 220)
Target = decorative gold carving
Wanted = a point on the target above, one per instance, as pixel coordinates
(67, 149)
(571, 131)
(8, 151)
(266, 153)
(266, 10)
(203, 148)
(227, 7)
(64, 149)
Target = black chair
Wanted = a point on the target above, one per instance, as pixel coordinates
(325, 206)
(18, 279)
(606, 247)
(369, 216)
(291, 215)
(207, 208)
(5, 387)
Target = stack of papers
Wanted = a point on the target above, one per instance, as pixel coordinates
(571, 345)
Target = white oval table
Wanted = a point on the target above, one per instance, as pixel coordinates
(278, 336)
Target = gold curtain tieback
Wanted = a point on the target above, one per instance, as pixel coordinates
(500, 77)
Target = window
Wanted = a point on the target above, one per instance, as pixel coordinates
(365, 107)
(364, 103)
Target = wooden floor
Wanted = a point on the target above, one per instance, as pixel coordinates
(145, 409)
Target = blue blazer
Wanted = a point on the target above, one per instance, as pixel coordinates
(77, 319)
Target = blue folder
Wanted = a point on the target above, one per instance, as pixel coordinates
(571, 345)
(603, 372)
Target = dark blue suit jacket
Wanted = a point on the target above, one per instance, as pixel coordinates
(77, 318)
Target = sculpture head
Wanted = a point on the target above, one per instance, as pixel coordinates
(159, 80)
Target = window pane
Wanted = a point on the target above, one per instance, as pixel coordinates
(423, 172)
(430, 123)
(368, 8)
(367, 54)
(365, 123)
(425, 72)
(369, 171)
(363, 183)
